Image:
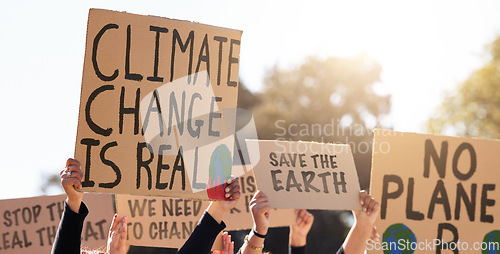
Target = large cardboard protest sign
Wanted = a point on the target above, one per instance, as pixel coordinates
(305, 174)
(29, 225)
(157, 106)
(437, 193)
(168, 222)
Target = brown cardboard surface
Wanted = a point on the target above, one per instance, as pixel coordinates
(159, 221)
(157, 107)
(179, 216)
(29, 225)
(240, 216)
(292, 175)
(418, 180)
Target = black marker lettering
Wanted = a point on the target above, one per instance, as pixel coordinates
(94, 54)
(128, 75)
(144, 163)
(439, 160)
(89, 142)
(221, 40)
(473, 161)
(176, 39)
(276, 182)
(232, 60)
(439, 196)
(161, 166)
(134, 110)
(410, 214)
(88, 118)
(115, 168)
(386, 195)
(203, 58)
(158, 30)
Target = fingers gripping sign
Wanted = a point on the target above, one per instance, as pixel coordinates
(217, 209)
(259, 206)
(301, 227)
(364, 225)
(71, 181)
(371, 209)
(260, 209)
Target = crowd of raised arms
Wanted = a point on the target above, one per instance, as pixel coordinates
(68, 237)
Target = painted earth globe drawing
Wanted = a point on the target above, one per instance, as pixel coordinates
(491, 243)
(221, 164)
(395, 234)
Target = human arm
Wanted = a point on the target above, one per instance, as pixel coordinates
(299, 230)
(68, 236)
(259, 207)
(301, 227)
(211, 224)
(217, 209)
(71, 183)
(363, 228)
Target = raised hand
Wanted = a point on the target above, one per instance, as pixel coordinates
(364, 225)
(117, 236)
(259, 206)
(260, 209)
(301, 227)
(371, 209)
(71, 180)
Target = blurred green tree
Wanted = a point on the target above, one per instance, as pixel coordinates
(325, 100)
(474, 108)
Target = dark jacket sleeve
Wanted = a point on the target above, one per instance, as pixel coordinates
(69, 233)
(298, 250)
(341, 250)
(203, 236)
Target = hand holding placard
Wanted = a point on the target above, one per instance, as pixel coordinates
(168, 222)
(261, 212)
(363, 228)
(71, 181)
(217, 209)
(254, 242)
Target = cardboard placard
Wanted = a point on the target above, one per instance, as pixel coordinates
(240, 217)
(29, 225)
(305, 174)
(159, 221)
(435, 189)
(157, 107)
(168, 222)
